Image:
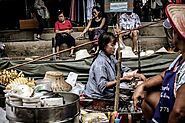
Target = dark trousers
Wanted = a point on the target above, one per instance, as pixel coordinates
(42, 23)
(95, 34)
(169, 37)
(64, 38)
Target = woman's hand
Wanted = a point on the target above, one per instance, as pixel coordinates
(128, 75)
(81, 34)
(138, 96)
(140, 77)
(127, 78)
(91, 29)
(67, 31)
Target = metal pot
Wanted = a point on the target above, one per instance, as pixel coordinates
(67, 113)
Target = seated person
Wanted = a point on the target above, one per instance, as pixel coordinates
(102, 74)
(162, 96)
(127, 22)
(63, 29)
(96, 26)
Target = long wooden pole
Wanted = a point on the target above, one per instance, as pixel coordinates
(37, 59)
(40, 58)
(140, 27)
(116, 100)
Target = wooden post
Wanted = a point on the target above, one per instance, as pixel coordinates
(116, 101)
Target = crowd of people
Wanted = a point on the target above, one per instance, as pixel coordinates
(161, 97)
(95, 27)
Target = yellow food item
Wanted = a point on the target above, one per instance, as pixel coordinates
(11, 78)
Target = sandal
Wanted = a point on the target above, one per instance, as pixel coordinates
(57, 57)
(93, 50)
(71, 55)
(135, 52)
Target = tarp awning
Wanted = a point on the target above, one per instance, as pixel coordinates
(150, 65)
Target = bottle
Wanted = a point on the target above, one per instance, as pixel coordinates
(117, 120)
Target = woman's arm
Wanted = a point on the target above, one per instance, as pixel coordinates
(87, 28)
(64, 31)
(57, 29)
(111, 84)
(101, 25)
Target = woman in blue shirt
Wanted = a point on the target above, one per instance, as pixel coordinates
(102, 74)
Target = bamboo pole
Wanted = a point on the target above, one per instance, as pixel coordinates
(43, 57)
(140, 27)
(116, 100)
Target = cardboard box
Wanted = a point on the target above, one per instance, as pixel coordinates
(28, 24)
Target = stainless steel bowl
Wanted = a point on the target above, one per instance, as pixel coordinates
(67, 113)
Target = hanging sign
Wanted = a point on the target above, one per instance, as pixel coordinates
(118, 5)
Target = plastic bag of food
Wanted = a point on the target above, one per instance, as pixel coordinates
(94, 118)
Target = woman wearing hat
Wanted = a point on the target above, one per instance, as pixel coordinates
(163, 95)
(102, 74)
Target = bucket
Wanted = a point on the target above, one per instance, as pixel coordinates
(67, 113)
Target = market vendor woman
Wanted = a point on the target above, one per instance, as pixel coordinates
(102, 74)
(163, 95)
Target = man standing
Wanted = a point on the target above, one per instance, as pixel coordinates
(42, 15)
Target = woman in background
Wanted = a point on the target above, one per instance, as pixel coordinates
(95, 27)
(63, 30)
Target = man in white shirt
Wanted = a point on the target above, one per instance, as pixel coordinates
(127, 22)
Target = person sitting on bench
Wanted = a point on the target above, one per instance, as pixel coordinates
(127, 22)
(95, 27)
(63, 29)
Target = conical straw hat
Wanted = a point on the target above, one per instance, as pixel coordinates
(176, 16)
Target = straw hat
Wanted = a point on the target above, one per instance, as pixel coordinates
(58, 82)
(81, 54)
(176, 16)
